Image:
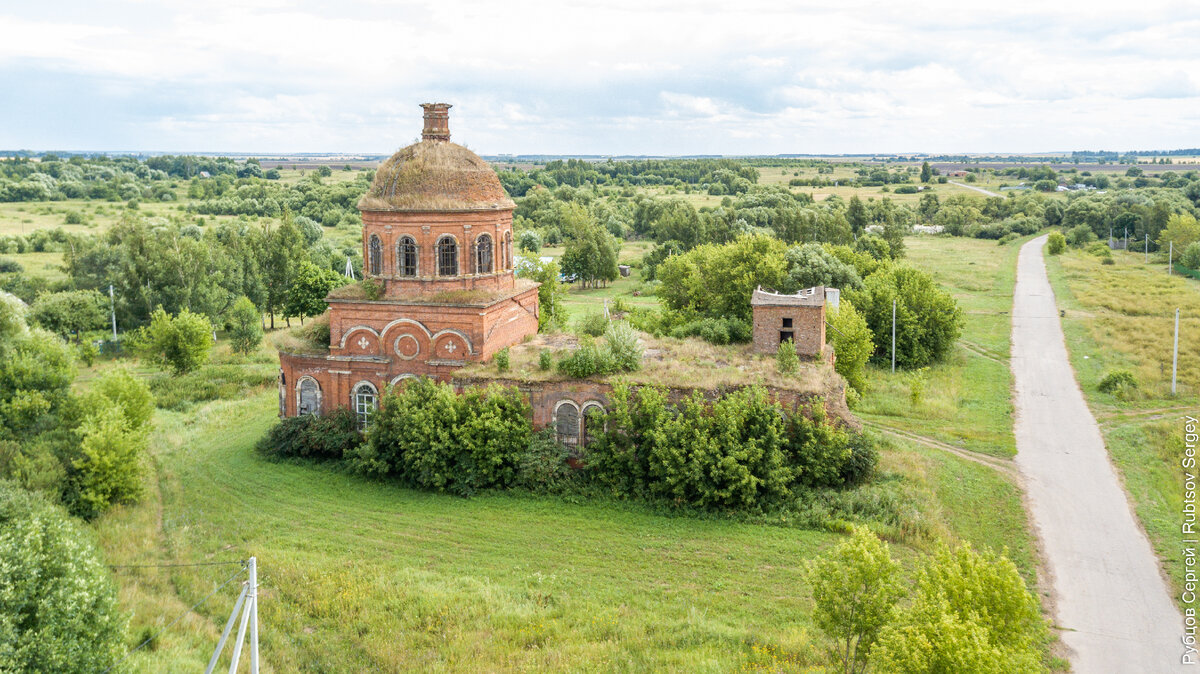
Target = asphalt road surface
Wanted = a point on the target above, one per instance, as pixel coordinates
(1111, 601)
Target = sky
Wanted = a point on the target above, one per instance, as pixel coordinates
(618, 77)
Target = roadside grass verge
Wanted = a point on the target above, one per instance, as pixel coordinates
(1122, 317)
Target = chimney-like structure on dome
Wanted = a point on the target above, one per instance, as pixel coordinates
(437, 121)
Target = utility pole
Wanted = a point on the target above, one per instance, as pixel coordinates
(1147, 248)
(247, 602)
(1175, 356)
(1171, 258)
(893, 336)
(112, 303)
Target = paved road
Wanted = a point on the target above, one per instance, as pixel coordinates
(977, 189)
(1111, 602)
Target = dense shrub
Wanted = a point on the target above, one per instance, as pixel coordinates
(620, 352)
(714, 330)
(1191, 256)
(853, 343)
(58, 605)
(786, 360)
(1056, 243)
(545, 359)
(739, 451)
(544, 467)
(308, 436)
(1119, 383)
(10, 266)
(180, 342)
(593, 324)
(503, 360)
(928, 320)
(425, 435)
(1080, 236)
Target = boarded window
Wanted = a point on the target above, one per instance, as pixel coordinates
(566, 424)
(447, 249)
(310, 397)
(375, 252)
(406, 256)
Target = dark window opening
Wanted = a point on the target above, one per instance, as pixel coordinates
(447, 257)
(408, 257)
(787, 322)
(785, 335)
(376, 256)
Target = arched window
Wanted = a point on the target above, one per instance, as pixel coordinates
(308, 397)
(447, 252)
(406, 256)
(483, 254)
(566, 423)
(365, 399)
(593, 420)
(376, 255)
(508, 250)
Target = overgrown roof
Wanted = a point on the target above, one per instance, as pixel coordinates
(435, 175)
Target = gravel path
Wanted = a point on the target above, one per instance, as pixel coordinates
(1111, 601)
(977, 189)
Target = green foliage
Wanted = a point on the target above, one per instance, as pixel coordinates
(551, 312)
(786, 359)
(971, 613)
(529, 242)
(109, 468)
(717, 281)
(58, 604)
(425, 435)
(245, 326)
(592, 323)
(623, 350)
(545, 360)
(1191, 256)
(811, 265)
(332, 436)
(1120, 383)
(71, 312)
(1056, 243)
(917, 379)
(739, 451)
(310, 285)
(10, 266)
(852, 343)
(1182, 231)
(1080, 236)
(180, 342)
(586, 361)
(591, 251)
(855, 588)
(213, 381)
(714, 330)
(118, 387)
(372, 289)
(503, 360)
(544, 468)
(928, 320)
(36, 369)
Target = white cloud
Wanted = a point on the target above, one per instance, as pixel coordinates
(618, 76)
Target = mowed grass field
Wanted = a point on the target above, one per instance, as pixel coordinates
(1121, 316)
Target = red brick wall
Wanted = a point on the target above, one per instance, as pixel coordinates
(808, 328)
(426, 228)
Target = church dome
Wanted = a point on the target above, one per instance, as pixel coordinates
(435, 175)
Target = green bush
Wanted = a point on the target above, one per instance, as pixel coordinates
(1056, 243)
(332, 436)
(786, 360)
(1191, 256)
(545, 360)
(10, 266)
(714, 330)
(586, 361)
(245, 326)
(592, 324)
(1119, 383)
(427, 436)
(503, 360)
(852, 343)
(544, 468)
(1080, 236)
(58, 604)
(180, 342)
(623, 350)
(928, 320)
(1007, 239)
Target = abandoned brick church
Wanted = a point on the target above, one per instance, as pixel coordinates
(441, 293)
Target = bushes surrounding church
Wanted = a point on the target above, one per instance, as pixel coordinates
(739, 452)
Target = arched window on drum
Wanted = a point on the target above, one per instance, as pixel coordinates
(375, 253)
(447, 256)
(483, 254)
(406, 256)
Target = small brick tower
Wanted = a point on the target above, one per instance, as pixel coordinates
(437, 238)
(799, 317)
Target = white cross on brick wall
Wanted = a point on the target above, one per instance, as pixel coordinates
(450, 347)
(362, 342)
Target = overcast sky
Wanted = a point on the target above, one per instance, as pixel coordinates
(601, 77)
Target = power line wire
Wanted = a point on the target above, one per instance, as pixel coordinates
(242, 562)
(181, 617)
